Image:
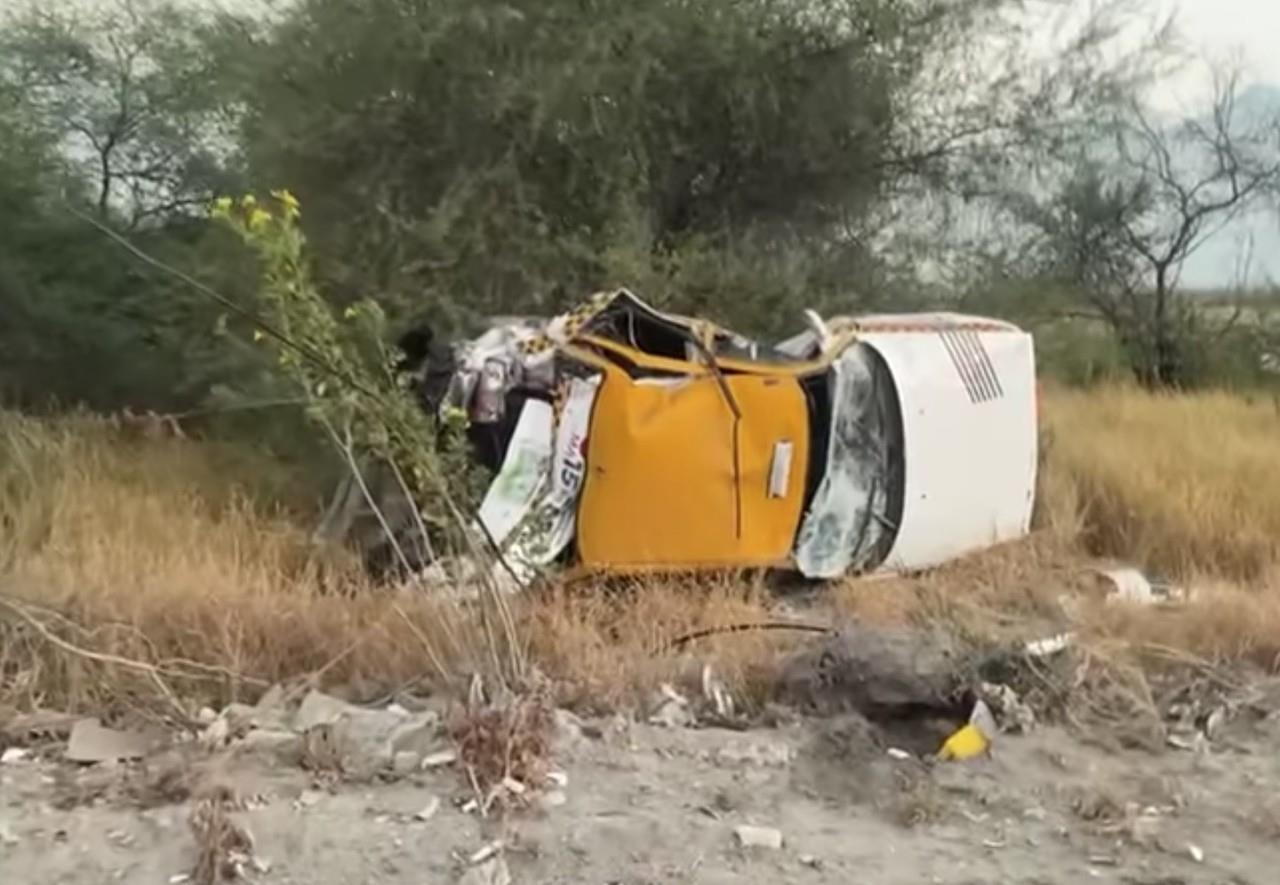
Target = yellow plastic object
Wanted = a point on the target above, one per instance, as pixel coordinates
(676, 480)
(974, 738)
(965, 743)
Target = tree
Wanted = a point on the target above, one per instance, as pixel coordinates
(1126, 215)
(127, 92)
(480, 157)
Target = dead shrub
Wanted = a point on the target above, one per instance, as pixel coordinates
(223, 847)
(505, 744)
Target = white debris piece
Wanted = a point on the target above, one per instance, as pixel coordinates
(758, 837)
(429, 810)
(671, 709)
(439, 759)
(14, 754)
(1050, 645)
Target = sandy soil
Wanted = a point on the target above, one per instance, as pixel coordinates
(648, 804)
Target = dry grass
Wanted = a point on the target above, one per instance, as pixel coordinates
(120, 547)
(148, 551)
(1189, 484)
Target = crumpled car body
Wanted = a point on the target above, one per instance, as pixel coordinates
(650, 441)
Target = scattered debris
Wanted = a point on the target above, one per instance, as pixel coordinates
(670, 709)
(1012, 715)
(974, 738)
(1129, 585)
(7, 838)
(439, 759)
(758, 837)
(485, 852)
(428, 811)
(1196, 852)
(309, 798)
(716, 694)
(900, 755)
(1049, 646)
(559, 778)
(14, 755)
(91, 742)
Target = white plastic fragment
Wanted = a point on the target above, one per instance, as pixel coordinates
(429, 810)
(1196, 852)
(1049, 646)
(439, 759)
(14, 754)
(758, 837)
(485, 852)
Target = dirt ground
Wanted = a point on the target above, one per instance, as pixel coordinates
(648, 804)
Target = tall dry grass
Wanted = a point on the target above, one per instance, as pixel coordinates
(123, 549)
(1187, 484)
(149, 568)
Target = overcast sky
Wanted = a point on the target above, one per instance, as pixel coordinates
(1220, 29)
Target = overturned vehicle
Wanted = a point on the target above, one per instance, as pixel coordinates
(626, 439)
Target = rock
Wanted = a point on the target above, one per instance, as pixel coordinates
(319, 708)
(310, 798)
(758, 837)
(405, 763)
(91, 742)
(206, 716)
(1143, 825)
(370, 738)
(283, 745)
(490, 872)
(874, 671)
(217, 734)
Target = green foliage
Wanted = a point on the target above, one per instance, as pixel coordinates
(338, 363)
(466, 158)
